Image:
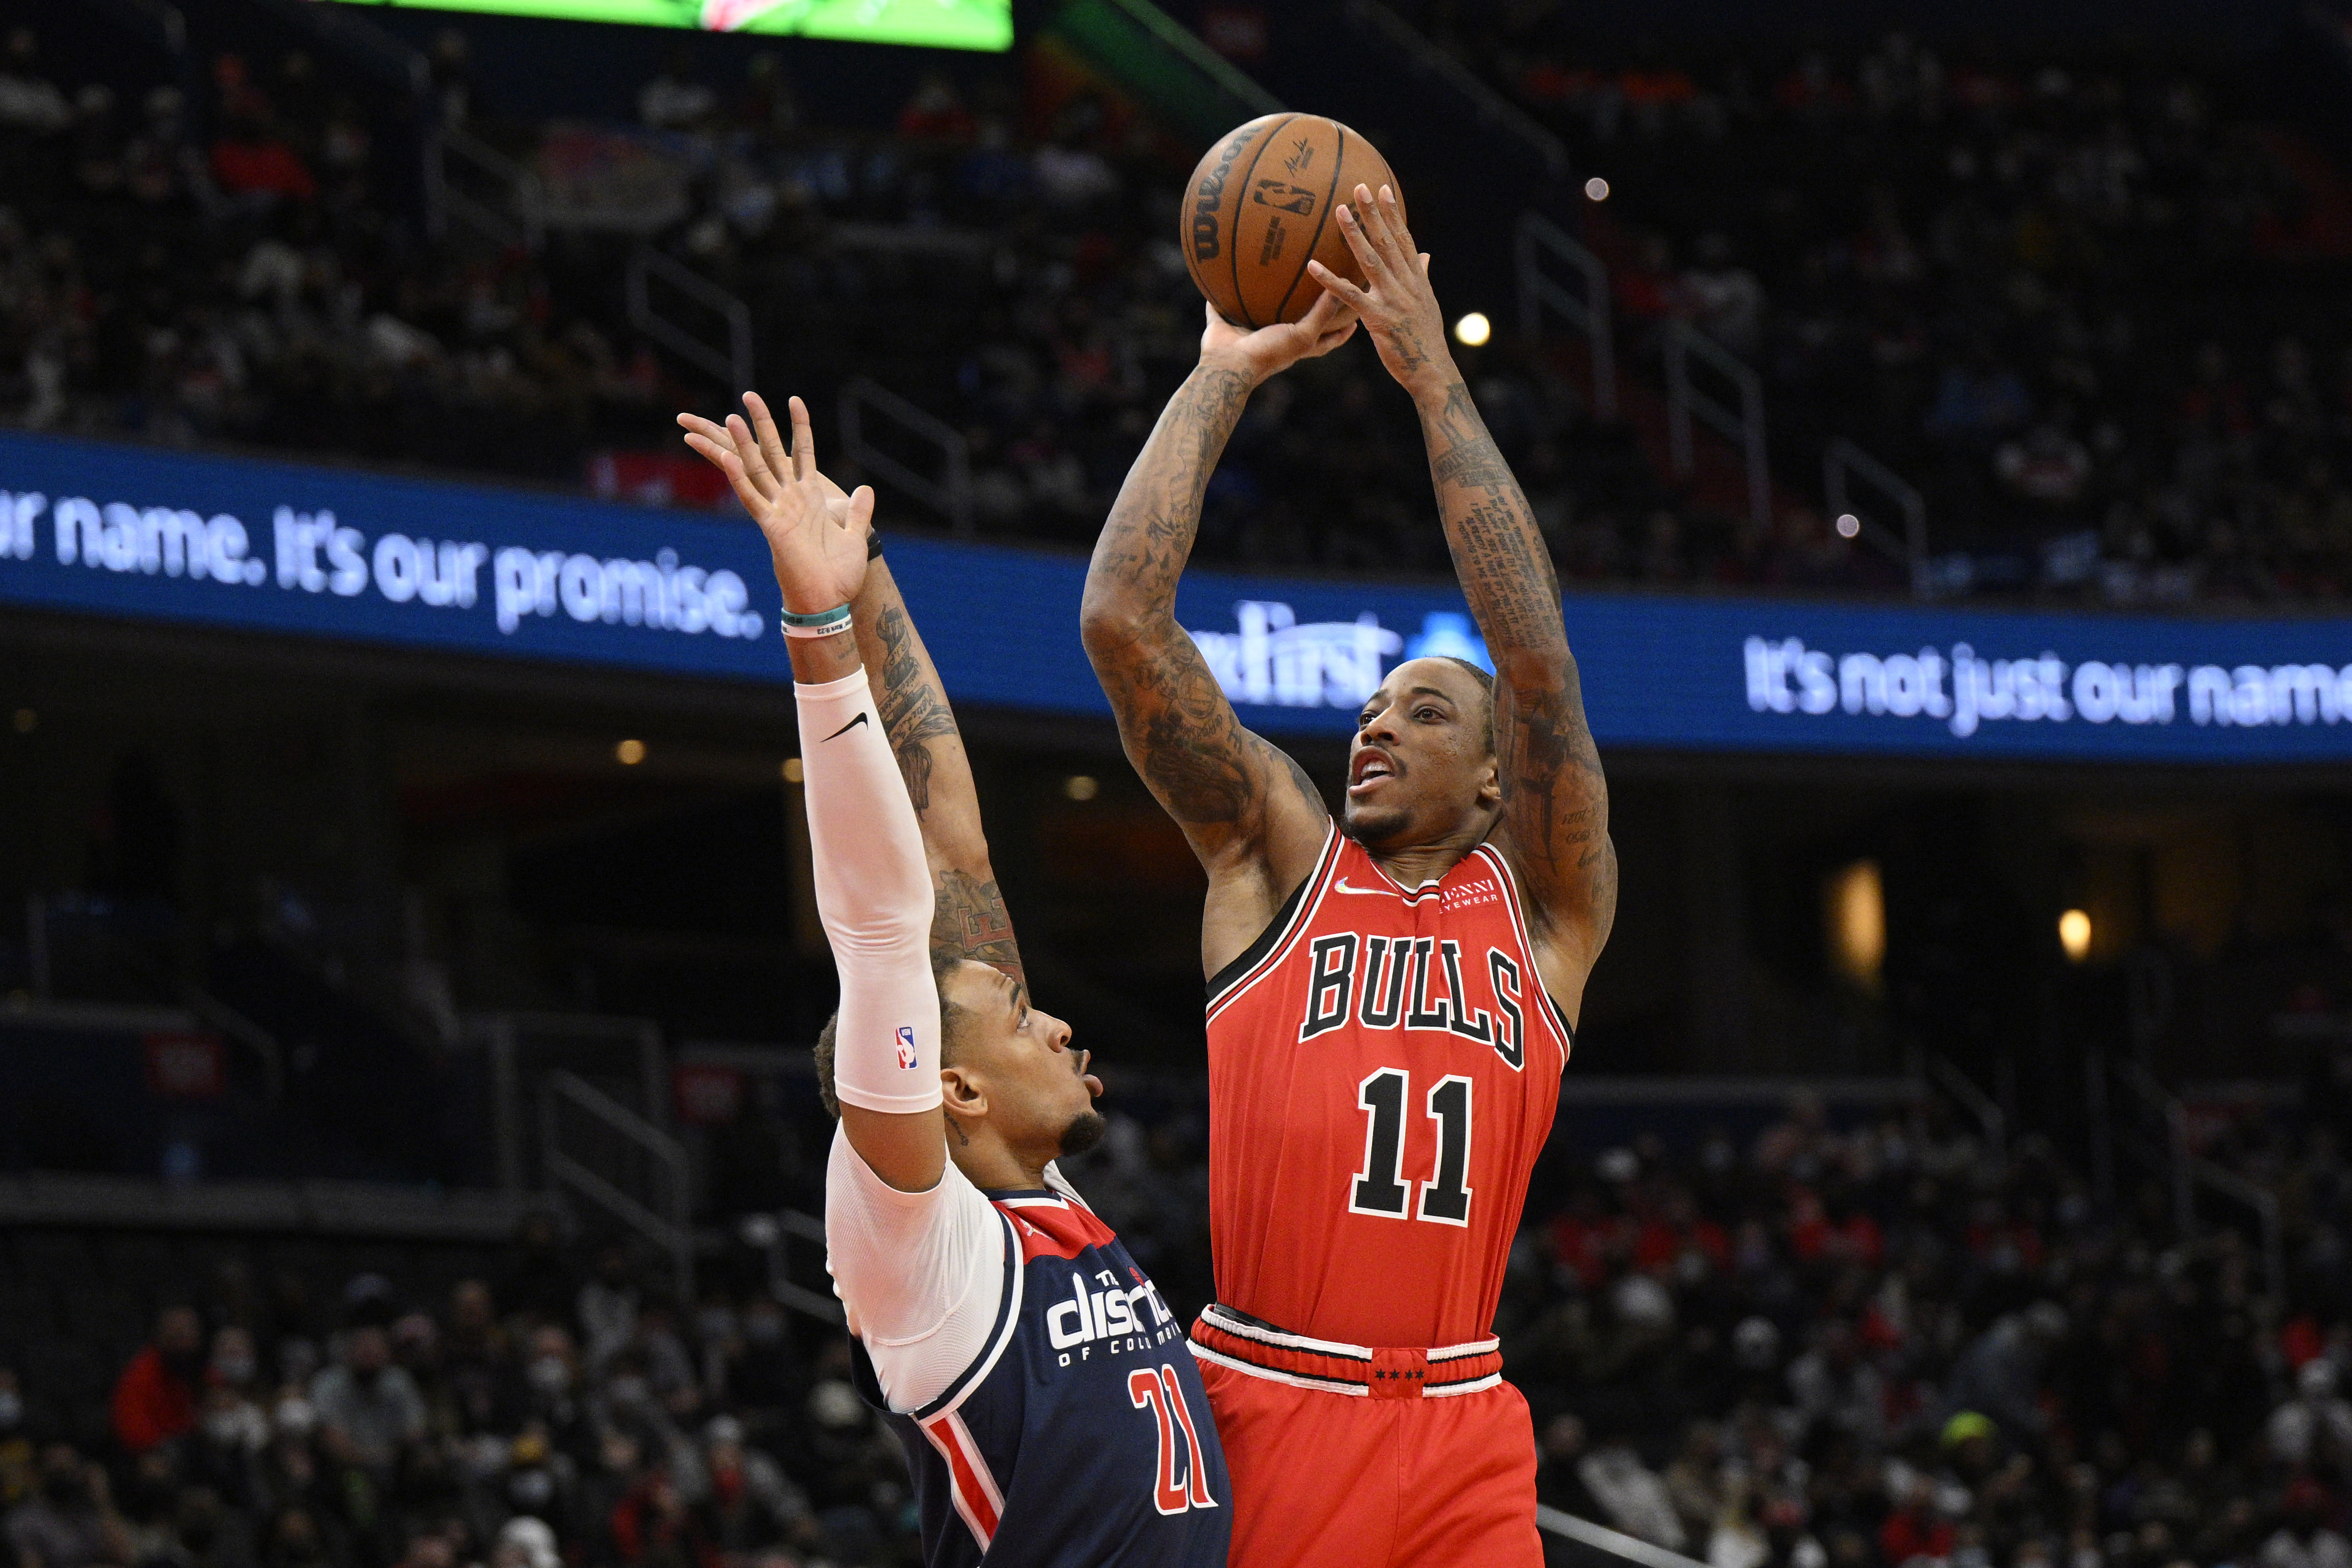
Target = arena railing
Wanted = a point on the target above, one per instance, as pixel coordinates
(2189, 1171)
(1744, 425)
(1490, 106)
(593, 1148)
(1591, 314)
(1843, 461)
(731, 364)
(950, 495)
(515, 212)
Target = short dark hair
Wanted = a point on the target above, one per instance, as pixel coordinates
(1485, 680)
(953, 1020)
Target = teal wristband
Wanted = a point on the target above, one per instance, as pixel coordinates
(820, 625)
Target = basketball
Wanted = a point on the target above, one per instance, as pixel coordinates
(1259, 206)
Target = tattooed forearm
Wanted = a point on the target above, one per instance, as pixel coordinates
(1555, 799)
(970, 921)
(1180, 730)
(914, 710)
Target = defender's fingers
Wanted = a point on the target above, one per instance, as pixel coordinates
(804, 436)
(772, 450)
(700, 429)
(755, 462)
(861, 509)
(732, 466)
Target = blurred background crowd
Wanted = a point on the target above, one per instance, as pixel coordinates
(2090, 307)
(1870, 1336)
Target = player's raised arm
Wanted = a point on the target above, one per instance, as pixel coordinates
(968, 918)
(872, 887)
(1555, 800)
(1253, 817)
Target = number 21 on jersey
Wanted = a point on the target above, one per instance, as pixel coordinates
(1381, 1187)
(1159, 1391)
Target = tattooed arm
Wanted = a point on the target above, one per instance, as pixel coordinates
(968, 918)
(1251, 814)
(1555, 823)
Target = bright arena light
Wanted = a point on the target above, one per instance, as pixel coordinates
(1596, 189)
(1474, 330)
(1848, 525)
(2075, 935)
(1079, 787)
(630, 752)
(792, 769)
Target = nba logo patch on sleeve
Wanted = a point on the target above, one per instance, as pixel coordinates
(907, 1047)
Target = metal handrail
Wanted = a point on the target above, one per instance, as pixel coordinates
(1745, 426)
(1492, 107)
(247, 1033)
(1591, 315)
(1989, 1116)
(1842, 457)
(1178, 40)
(950, 497)
(771, 1233)
(672, 1231)
(1616, 1543)
(527, 224)
(2191, 1171)
(733, 365)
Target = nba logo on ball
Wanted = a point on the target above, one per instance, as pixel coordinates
(907, 1048)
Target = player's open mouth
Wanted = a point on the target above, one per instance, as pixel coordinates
(1094, 1084)
(1371, 766)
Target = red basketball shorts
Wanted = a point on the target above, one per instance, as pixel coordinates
(1323, 1479)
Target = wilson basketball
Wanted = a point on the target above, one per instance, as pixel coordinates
(1260, 205)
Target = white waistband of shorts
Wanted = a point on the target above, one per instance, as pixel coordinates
(1233, 1322)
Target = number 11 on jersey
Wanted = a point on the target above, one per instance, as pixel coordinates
(1379, 1188)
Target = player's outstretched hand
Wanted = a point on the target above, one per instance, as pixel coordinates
(817, 534)
(1270, 351)
(1396, 302)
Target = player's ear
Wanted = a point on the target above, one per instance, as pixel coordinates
(962, 1096)
(1490, 786)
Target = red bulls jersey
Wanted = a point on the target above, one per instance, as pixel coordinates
(1383, 1067)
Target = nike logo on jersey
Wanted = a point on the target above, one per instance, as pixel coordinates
(846, 728)
(1341, 886)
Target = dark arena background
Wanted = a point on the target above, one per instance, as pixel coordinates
(1940, 417)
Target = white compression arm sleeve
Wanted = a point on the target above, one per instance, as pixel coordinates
(874, 893)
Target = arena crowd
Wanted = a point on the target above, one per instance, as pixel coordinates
(1873, 1340)
(2094, 312)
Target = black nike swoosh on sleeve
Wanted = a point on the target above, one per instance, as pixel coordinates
(844, 729)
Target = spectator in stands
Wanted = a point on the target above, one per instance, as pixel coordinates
(71, 1522)
(607, 1307)
(369, 1410)
(16, 1445)
(2000, 1376)
(2314, 1429)
(155, 1400)
(2302, 1539)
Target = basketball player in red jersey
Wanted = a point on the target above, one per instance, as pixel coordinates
(1392, 1001)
